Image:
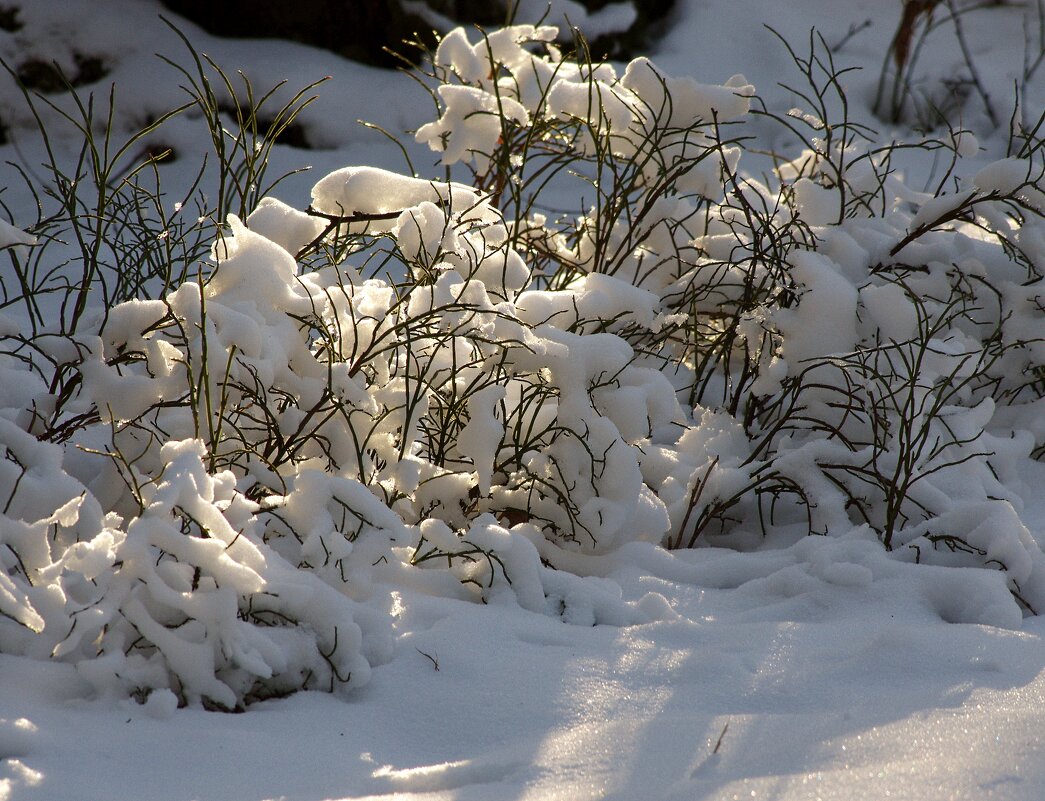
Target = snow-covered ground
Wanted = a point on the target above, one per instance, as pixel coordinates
(809, 668)
(784, 687)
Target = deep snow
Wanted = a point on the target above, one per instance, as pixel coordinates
(814, 668)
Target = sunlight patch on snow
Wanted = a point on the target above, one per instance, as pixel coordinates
(447, 775)
(24, 773)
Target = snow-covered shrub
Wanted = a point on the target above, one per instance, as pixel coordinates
(215, 485)
(860, 334)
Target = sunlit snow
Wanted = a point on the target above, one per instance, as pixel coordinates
(596, 666)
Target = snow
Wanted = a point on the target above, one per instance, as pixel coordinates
(535, 709)
(799, 667)
(9, 235)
